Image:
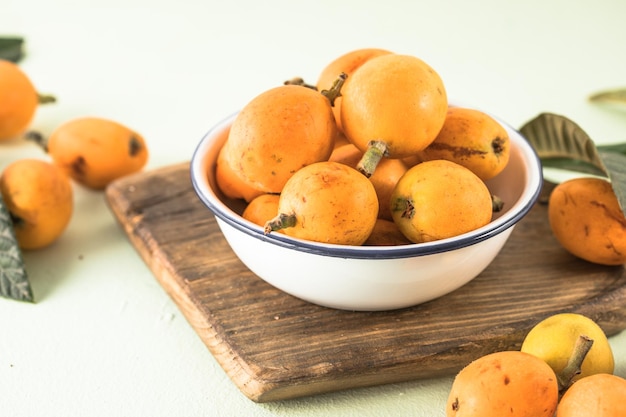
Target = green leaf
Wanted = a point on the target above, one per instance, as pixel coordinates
(617, 96)
(613, 148)
(13, 277)
(561, 143)
(11, 48)
(615, 164)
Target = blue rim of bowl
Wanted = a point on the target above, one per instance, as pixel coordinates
(228, 216)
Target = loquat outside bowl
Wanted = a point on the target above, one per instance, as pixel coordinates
(368, 278)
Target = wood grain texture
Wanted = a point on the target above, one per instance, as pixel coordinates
(274, 346)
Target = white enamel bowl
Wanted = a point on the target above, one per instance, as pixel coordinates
(368, 278)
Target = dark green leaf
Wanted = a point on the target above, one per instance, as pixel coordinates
(570, 164)
(561, 143)
(13, 277)
(615, 164)
(613, 148)
(11, 48)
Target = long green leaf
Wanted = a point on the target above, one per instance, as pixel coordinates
(613, 148)
(12, 48)
(557, 138)
(13, 277)
(616, 96)
(561, 143)
(615, 164)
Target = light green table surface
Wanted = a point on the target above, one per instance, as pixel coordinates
(104, 339)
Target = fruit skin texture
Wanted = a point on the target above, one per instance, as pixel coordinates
(553, 338)
(331, 202)
(261, 209)
(18, 101)
(95, 151)
(397, 99)
(439, 199)
(347, 64)
(231, 184)
(347, 154)
(507, 383)
(39, 197)
(384, 179)
(586, 219)
(473, 139)
(599, 395)
(386, 233)
(278, 132)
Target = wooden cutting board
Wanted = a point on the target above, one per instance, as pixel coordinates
(274, 346)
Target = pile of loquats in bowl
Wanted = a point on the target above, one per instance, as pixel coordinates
(334, 163)
(369, 190)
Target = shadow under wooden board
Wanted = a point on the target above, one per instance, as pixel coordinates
(274, 346)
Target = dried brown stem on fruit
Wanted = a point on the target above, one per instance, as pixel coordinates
(299, 81)
(38, 138)
(573, 367)
(496, 203)
(45, 98)
(376, 150)
(335, 90)
(281, 221)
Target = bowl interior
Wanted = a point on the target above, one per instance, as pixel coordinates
(518, 185)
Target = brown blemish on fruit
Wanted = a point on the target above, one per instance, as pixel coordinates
(612, 247)
(498, 145)
(609, 213)
(16, 220)
(78, 166)
(134, 146)
(457, 151)
(455, 404)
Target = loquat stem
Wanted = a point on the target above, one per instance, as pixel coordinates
(281, 221)
(376, 150)
(496, 203)
(335, 90)
(408, 208)
(299, 81)
(46, 98)
(573, 367)
(38, 138)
